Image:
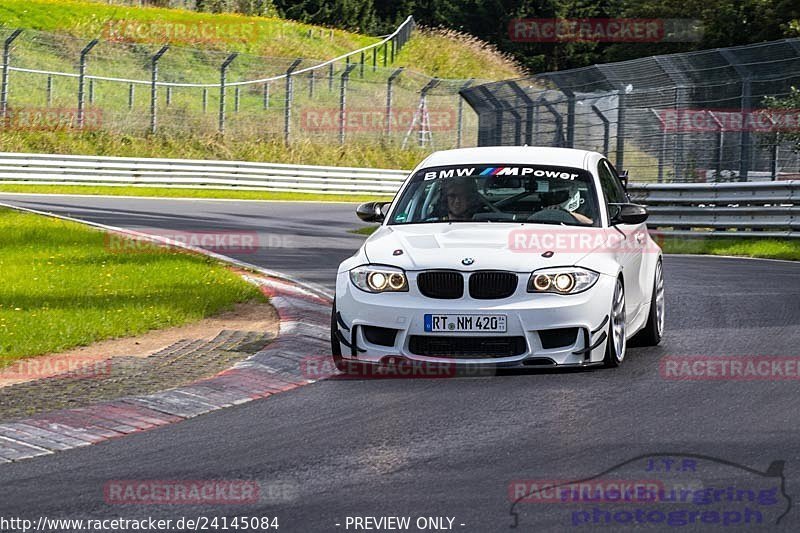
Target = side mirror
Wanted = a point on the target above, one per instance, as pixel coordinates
(627, 214)
(623, 177)
(371, 211)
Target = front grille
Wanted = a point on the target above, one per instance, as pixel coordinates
(442, 284)
(466, 347)
(492, 285)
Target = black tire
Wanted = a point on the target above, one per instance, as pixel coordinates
(612, 359)
(336, 346)
(347, 366)
(653, 331)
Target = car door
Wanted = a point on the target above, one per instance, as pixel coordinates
(631, 246)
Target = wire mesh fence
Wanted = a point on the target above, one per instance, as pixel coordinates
(56, 81)
(698, 116)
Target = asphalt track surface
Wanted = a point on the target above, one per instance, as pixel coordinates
(451, 447)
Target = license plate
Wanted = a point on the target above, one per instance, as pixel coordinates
(465, 323)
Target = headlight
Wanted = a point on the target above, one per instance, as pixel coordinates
(568, 280)
(379, 278)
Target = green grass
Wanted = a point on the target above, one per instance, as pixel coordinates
(450, 54)
(375, 154)
(762, 248)
(189, 193)
(366, 230)
(63, 285)
(788, 249)
(269, 36)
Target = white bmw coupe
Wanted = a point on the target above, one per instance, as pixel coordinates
(502, 256)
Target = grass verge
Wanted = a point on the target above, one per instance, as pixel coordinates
(100, 190)
(372, 154)
(62, 285)
(788, 249)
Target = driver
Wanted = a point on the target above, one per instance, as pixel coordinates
(462, 198)
(573, 205)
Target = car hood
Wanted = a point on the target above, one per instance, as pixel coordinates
(489, 246)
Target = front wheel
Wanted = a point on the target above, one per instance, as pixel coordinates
(654, 329)
(336, 346)
(616, 343)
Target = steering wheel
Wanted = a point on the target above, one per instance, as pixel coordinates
(488, 204)
(553, 215)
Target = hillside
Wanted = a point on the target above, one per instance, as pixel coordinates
(259, 36)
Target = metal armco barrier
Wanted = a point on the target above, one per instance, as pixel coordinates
(45, 169)
(754, 209)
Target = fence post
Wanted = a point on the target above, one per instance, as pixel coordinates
(621, 130)
(342, 101)
(460, 119)
(82, 79)
(662, 155)
(154, 88)
(385, 53)
(169, 95)
(287, 111)
(91, 91)
(389, 82)
(362, 63)
(205, 99)
(746, 105)
(330, 77)
(570, 117)
(529, 106)
(130, 96)
(311, 77)
(266, 95)
(720, 133)
(49, 90)
(607, 133)
(236, 96)
(222, 79)
(6, 59)
(558, 138)
(374, 58)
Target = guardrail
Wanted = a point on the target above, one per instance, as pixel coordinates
(46, 169)
(753, 209)
(745, 209)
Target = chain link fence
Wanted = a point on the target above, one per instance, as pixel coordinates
(54, 81)
(686, 117)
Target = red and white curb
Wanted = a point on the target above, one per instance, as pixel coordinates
(304, 330)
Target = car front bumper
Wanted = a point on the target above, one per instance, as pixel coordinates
(531, 320)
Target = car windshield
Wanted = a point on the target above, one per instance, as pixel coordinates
(498, 193)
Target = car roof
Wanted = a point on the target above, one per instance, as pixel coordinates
(538, 155)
